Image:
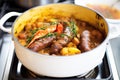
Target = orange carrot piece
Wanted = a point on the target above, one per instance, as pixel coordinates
(59, 28)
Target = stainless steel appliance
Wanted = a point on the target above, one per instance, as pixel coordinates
(12, 69)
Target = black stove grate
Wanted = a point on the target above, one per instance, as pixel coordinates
(101, 70)
(29, 74)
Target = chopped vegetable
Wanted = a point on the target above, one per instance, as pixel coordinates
(69, 51)
(71, 44)
(22, 41)
(75, 41)
(59, 29)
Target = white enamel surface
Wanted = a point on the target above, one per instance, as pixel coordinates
(6, 17)
(114, 30)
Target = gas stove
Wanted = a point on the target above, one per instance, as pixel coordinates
(12, 69)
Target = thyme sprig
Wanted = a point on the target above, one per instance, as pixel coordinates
(49, 35)
(73, 28)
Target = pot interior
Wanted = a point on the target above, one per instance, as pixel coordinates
(68, 10)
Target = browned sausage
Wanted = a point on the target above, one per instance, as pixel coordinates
(41, 43)
(58, 45)
(85, 41)
(90, 40)
(61, 42)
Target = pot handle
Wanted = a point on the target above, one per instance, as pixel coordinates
(114, 30)
(6, 17)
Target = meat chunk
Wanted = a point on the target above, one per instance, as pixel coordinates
(61, 42)
(41, 43)
(58, 45)
(90, 40)
(85, 41)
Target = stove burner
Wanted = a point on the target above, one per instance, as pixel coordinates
(88, 75)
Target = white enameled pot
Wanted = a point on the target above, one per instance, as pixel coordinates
(58, 66)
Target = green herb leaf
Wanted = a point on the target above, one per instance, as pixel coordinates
(73, 28)
(29, 38)
(34, 31)
(50, 35)
(62, 35)
(54, 23)
(42, 28)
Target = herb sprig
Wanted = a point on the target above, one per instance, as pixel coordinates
(63, 35)
(73, 28)
(49, 35)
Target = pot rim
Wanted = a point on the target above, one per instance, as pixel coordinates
(83, 53)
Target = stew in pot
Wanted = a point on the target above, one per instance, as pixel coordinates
(60, 36)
